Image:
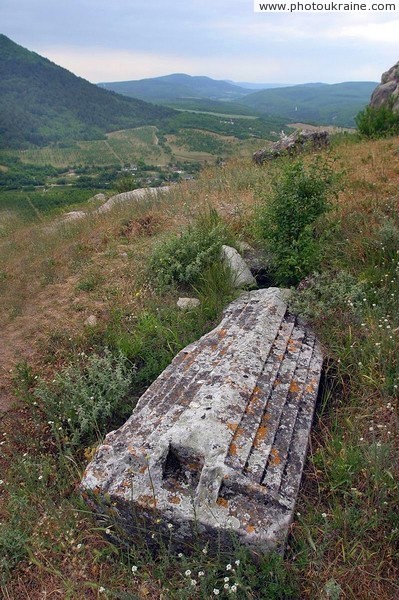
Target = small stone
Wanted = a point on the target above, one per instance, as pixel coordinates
(91, 321)
(187, 303)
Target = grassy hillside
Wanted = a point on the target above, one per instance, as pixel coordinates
(344, 539)
(41, 102)
(177, 85)
(336, 104)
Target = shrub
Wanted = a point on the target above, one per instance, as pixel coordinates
(83, 398)
(326, 295)
(286, 221)
(378, 122)
(183, 258)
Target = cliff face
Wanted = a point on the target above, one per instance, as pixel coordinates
(388, 89)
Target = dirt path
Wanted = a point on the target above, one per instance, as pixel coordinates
(114, 153)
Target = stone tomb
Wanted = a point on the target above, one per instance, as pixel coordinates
(217, 443)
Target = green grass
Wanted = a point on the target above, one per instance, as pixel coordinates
(35, 205)
(344, 537)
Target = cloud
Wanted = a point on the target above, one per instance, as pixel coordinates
(132, 39)
(98, 65)
(382, 33)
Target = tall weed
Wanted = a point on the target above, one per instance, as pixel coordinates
(287, 220)
(182, 259)
(84, 397)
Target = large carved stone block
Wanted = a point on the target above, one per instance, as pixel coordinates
(217, 443)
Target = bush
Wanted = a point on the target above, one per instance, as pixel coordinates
(328, 295)
(83, 398)
(377, 122)
(183, 258)
(286, 221)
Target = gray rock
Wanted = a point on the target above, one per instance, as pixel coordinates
(387, 92)
(74, 215)
(216, 446)
(91, 321)
(137, 194)
(187, 303)
(241, 274)
(293, 144)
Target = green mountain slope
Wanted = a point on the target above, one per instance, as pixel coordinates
(41, 102)
(336, 104)
(177, 86)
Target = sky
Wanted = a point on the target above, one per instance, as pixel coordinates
(119, 40)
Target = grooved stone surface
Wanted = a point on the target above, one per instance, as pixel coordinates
(218, 442)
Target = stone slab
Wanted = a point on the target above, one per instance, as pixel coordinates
(216, 445)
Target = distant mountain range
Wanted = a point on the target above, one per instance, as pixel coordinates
(177, 86)
(41, 102)
(320, 103)
(335, 104)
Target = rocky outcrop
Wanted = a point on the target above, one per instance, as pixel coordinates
(387, 93)
(216, 446)
(293, 144)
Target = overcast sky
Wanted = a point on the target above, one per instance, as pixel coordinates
(115, 40)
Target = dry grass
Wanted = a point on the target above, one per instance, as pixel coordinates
(57, 278)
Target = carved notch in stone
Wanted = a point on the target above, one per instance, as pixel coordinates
(217, 443)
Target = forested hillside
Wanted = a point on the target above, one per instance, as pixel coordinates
(320, 103)
(177, 85)
(41, 102)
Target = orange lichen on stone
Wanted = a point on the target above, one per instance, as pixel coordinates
(310, 388)
(174, 499)
(146, 500)
(250, 528)
(239, 432)
(222, 502)
(257, 391)
(275, 459)
(233, 449)
(222, 333)
(294, 387)
(260, 436)
(232, 426)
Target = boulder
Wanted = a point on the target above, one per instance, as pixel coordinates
(387, 93)
(137, 194)
(187, 303)
(293, 144)
(241, 274)
(216, 446)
